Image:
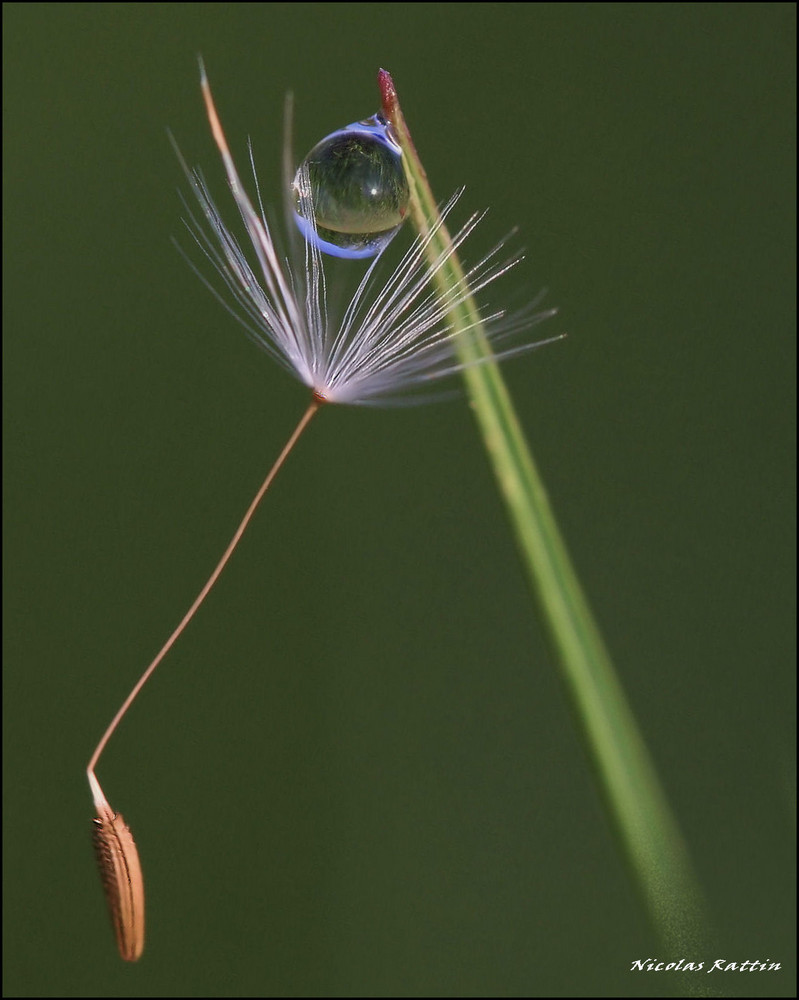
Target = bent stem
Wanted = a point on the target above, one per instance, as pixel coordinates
(104, 811)
(640, 812)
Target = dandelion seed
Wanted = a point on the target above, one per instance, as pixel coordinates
(393, 341)
(120, 871)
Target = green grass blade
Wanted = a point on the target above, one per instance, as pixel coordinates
(641, 815)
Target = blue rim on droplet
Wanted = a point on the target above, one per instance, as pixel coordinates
(350, 192)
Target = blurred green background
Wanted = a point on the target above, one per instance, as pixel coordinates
(357, 774)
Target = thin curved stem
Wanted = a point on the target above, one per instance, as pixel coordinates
(104, 810)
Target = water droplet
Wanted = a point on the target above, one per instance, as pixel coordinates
(355, 180)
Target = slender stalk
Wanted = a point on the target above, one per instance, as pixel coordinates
(640, 812)
(104, 810)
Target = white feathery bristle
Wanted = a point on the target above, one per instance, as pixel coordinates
(393, 338)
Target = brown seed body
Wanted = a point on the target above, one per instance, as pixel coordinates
(120, 871)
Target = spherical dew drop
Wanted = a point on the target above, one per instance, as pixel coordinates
(350, 192)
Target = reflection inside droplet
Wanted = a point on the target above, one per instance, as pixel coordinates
(356, 183)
